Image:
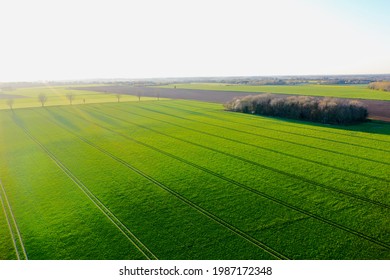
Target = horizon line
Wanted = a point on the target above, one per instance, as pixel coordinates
(193, 77)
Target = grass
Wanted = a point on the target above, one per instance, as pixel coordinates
(55, 221)
(341, 91)
(191, 181)
(56, 95)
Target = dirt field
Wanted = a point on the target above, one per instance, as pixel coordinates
(379, 110)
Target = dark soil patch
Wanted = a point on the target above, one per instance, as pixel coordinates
(377, 109)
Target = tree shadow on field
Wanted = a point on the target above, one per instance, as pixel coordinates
(61, 119)
(17, 119)
(369, 127)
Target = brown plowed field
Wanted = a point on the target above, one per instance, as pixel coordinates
(379, 110)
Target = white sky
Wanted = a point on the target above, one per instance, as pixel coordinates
(56, 39)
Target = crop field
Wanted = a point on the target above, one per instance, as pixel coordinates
(180, 179)
(377, 109)
(56, 95)
(340, 91)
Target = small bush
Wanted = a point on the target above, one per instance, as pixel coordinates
(324, 110)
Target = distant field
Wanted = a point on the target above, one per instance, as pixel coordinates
(347, 91)
(377, 109)
(28, 97)
(177, 179)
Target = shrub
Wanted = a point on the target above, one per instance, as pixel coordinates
(324, 110)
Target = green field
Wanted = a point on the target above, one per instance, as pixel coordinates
(175, 179)
(28, 97)
(343, 91)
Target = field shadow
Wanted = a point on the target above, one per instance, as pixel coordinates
(61, 119)
(369, 126)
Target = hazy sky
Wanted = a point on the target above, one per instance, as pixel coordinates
(67, 39)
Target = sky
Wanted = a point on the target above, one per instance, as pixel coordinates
(83, 39)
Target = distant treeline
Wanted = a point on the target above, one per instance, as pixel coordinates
(380, 86)
(324, 110)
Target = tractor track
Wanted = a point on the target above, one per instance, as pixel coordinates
(269, 120)
(265, 149)
(264, 195)
(208, 214)
(115, 221)
(272, 138)
(298, 177)
(19, 239)
(287, 132)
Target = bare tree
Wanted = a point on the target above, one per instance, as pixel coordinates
(70, 97)
(10, 103)
(42, 97)
(118, 96)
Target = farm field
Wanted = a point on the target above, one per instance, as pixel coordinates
(340, 91)
(179, 179)
(56, 95)
(377, 109)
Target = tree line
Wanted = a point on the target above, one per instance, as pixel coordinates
(385, 86)
(42, 98)
(324, 110)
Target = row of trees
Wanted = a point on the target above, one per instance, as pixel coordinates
(324, 110)
(385, 86)
(42, 98)
(70, 96)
